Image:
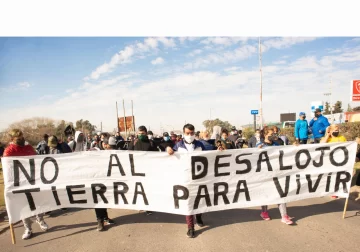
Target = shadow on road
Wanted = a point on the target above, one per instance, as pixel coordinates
(212, 219)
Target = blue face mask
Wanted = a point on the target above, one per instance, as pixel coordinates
(166, 138)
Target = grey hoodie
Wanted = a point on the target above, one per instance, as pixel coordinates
(80, 146)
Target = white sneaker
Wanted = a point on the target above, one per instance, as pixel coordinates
(42, 225)
(27, 234)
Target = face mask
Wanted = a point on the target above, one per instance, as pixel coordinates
(150, 136)
(142, 137)
(189, 139)
(335, 133)
(20, 141)
(166, 138)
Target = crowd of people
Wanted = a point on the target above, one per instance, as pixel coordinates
(189, 141)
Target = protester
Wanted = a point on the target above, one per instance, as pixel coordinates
(173, 138)
(150, 135)
(42, 148)
(143, 143)
(101, 213)
(224, 142)
(333, 135)
(318, 126)
(256, 139)
(266, 142)
(109, 143)
(19, 148)
(216, 135)
(234, 135)
(118, 137)
(207, 142)
(189, 144)
(166, 142)
(197, 135)
(301, 131)
(279, 138)
(53, 145)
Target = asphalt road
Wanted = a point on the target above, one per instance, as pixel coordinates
(320, 227)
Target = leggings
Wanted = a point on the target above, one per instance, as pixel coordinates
(282, 208)
(190, 220)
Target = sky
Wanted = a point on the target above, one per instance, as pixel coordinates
(171, 80)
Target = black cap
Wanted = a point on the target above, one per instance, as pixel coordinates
(150, 132)
(317, 110)
(165, 134)
(233, 128)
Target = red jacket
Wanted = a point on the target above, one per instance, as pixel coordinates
(16, 150)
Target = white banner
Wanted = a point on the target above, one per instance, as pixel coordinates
(184, 184)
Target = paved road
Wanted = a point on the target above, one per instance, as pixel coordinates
(320, 227)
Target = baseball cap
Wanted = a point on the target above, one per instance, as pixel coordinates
(150, 132)
(301, 113)
(317, 110)
(165, 134)
(112, 140)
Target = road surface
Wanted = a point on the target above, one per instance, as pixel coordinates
(320, 227)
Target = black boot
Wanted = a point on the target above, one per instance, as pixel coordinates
(199, 221)
(191, 233)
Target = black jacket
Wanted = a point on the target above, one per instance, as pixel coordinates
(164, 144)
(146, 145)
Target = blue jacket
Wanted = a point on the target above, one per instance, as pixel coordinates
(301, 129)
(319, 126)
(180, 146)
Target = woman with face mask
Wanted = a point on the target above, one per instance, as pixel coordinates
(267, 142)
(224, 142)
(333, 135)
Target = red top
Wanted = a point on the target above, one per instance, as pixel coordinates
(16, 150)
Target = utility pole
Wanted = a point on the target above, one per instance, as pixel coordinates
(132, 116)
(117, 118)
(261, 111)
(101, 126)
(124, 119)
(330, 94)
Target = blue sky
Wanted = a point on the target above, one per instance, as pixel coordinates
(170, 80)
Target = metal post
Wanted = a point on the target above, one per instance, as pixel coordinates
(261, 111)
(254, 123)
(117, 117)
(132, 116)
(101, 126)
(124, 119)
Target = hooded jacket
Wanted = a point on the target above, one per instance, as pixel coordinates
(319, 126)
(301, 129)
(80, 145)
(216, 135)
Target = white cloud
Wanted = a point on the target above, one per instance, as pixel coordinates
(195, 52)
(24, 85)
(279, 62)
(285, 42)
(157, 61)
(224, 41)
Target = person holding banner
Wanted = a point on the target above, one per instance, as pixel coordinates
(189, 144)
(333, 135)
(19, 148)
(269, 141)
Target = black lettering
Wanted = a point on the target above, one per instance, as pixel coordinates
(297, 159)
(245, 161)
(141, 192)
(131, 157)
(18, 166)
(199, 196)
(346, 156)
(121, 192)
(298, 184)
(199, 167)
(42, 175)
(177, 197)
(282, 193)
(28, 195)
(56, 197)
(313, 188)
(217, 166)
(101, 191)
(281, 161)
(118, 164)
(321, 161)
(342, 181)
(239, 190)
(222, 193)
(263, 157)
(328, 181)
(71, 194)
